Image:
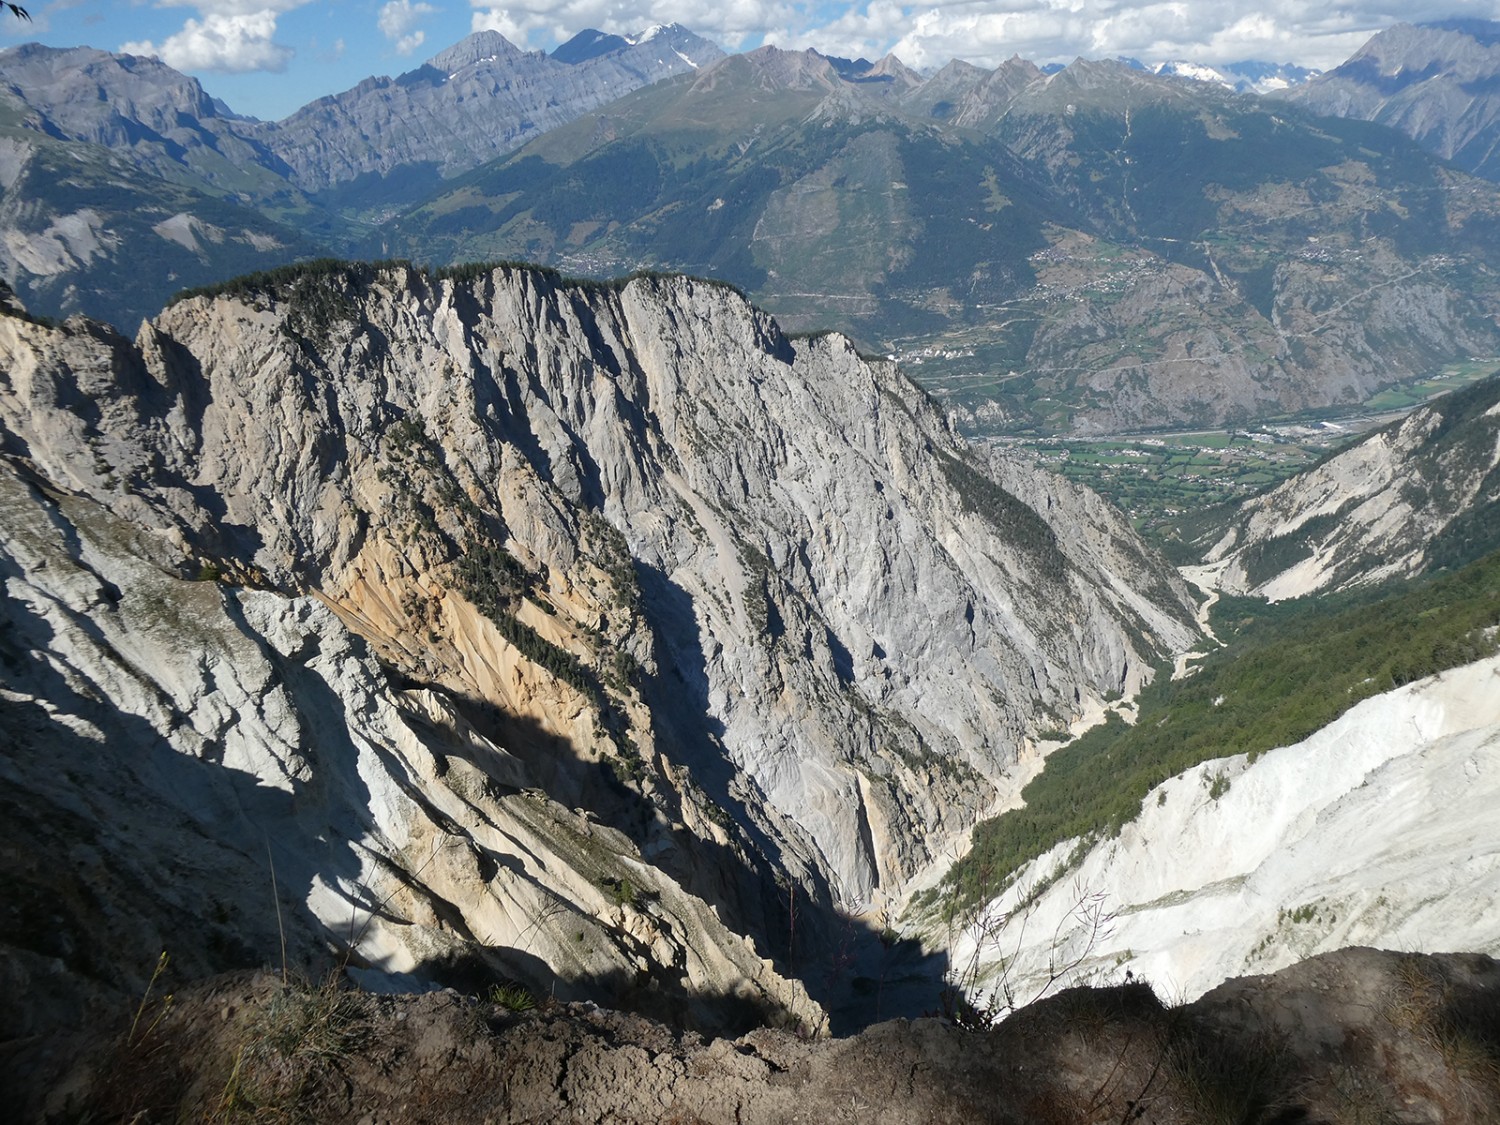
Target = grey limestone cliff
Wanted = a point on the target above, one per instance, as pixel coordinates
(391, 573)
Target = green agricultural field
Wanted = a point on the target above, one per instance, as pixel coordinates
(1451, 378)
(1157, 480)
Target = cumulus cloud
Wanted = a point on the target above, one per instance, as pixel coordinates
(234, 42)
(732, 24)
(928, 33)
(398, 23)
(1152, 30)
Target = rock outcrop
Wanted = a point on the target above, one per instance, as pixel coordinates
(1355, 1036)
(599, 638)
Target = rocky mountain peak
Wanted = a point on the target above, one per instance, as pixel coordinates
(480, 47)
(774, 68)
(587, 44)
(91, 95)
(1435, 82)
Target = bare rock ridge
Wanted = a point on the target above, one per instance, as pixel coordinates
(600, 638)
(1433, 81)
(468, 104)
(1420, 494)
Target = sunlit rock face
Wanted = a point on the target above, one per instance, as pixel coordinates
(601, 638)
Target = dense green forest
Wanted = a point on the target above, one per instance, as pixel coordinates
(1284, 671)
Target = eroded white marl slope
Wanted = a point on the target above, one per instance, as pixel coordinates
(1379, 829)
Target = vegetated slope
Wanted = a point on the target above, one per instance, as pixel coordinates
(1436, 82)
(1098, 249)
(546, 631)
(1285, 674)
(829, 209)
(1248, 261)
(1418, 495)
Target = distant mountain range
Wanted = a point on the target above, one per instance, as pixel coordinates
(1096, 248)
(1251, 76)
(105, 160)
(1438, 83)
(1102, 248)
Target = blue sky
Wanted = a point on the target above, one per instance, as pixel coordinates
(267, 57)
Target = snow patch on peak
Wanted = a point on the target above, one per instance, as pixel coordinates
(646, 36)
(1192, 70)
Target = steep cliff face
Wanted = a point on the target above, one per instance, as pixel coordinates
(1420, 494)
(1433, 81)
(629, 550)
(231, 776)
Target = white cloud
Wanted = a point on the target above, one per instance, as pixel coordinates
(927, 33)
(516, 27)
(398, 23)
(990, 31)
(230, 41)
(731, 23)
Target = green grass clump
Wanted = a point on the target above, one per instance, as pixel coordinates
(1286, 671)
(512, 997)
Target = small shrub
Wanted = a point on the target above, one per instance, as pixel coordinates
(623, 892)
